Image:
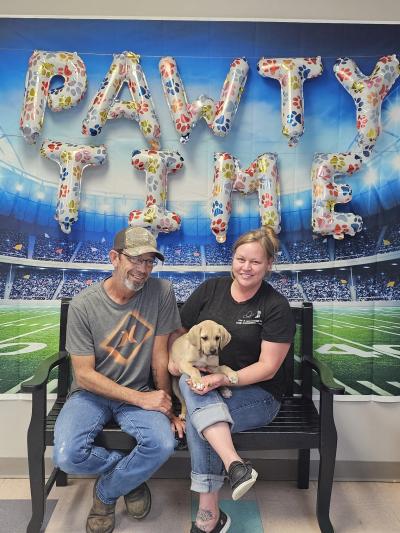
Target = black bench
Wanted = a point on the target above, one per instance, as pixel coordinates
(298, 424)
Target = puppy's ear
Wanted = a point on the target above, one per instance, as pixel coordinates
(225, 337)
(193, 336)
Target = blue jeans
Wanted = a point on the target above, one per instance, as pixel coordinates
(83, 417)
(248, 408)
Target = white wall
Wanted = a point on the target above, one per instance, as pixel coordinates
(368, 431)
(344, 10)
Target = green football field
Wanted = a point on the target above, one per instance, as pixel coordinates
(361, 344)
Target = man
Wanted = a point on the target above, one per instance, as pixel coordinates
(117, 333)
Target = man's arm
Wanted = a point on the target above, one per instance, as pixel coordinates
(162, 378)
(89, 379)
(159, 364)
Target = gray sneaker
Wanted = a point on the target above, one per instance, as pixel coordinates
(242, 477)
(101, 518)
(138, 502)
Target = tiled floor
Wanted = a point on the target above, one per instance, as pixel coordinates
(273, 507)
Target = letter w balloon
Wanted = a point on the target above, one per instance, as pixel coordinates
(219, 116)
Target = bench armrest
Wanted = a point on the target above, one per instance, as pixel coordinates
(327, 380)
(41, 375)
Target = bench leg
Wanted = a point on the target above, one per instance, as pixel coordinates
(327, 452)
(61, 479)
(37, 483)
(303, 469)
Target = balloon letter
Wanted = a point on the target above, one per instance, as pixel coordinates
(43, 66)
(72, 160)
(155, 216)
(291, 74)
(125, 68)
(261, 176)
(368, 94)
(219, 116)
(326, 193)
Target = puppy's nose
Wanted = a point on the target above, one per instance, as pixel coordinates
(213, 351)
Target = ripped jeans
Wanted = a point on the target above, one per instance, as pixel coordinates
(82, 418)
(248, 408)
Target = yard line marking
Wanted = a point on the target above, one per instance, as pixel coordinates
(375, 328)
(394, 384)
(374, 388)
(17, 387)
(347, 388)
(358, 344)
(51, 386)
(395, 324)
(29, 318)
(31, 333)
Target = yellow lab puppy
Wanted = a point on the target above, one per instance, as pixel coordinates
(199, 348)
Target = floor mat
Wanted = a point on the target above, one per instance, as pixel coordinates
(15, 515)
(244, 515)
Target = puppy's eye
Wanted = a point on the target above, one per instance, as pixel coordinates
(205, 338)
(217, 338)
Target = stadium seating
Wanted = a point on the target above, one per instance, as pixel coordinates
(182, 254)
(50, 249)
(311, 251)
(13, 243)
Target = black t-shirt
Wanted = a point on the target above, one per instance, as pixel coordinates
(266, 316)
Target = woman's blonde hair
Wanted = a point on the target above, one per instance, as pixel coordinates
(265, 236)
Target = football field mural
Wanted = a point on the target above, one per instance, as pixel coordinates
(200, 131)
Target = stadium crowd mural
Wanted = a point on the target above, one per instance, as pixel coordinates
(276, 158)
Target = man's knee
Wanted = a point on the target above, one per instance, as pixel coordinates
(165, 446)
(69, 458)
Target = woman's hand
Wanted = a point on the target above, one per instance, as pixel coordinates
(208, 382)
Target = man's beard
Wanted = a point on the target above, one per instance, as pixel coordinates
(132, 286)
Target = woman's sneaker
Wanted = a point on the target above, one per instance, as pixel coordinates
(242, 477)
(221, 526)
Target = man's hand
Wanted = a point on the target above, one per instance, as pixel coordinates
(157, 400)
(177, 425)
(208, 382)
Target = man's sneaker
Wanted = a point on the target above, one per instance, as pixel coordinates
(221, 526)
(138, 502)
(242, 477)
(101, 518)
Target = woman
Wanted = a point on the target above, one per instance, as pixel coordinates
(262, 328)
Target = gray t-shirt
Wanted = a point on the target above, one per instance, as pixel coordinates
(121, 337)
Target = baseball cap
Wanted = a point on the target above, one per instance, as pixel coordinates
(136, 241)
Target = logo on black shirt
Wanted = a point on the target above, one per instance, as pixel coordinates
(250, 317)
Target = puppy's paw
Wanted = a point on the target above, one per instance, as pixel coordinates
(233, 377)
(197, 383)
(182, 417)
(225, 392)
